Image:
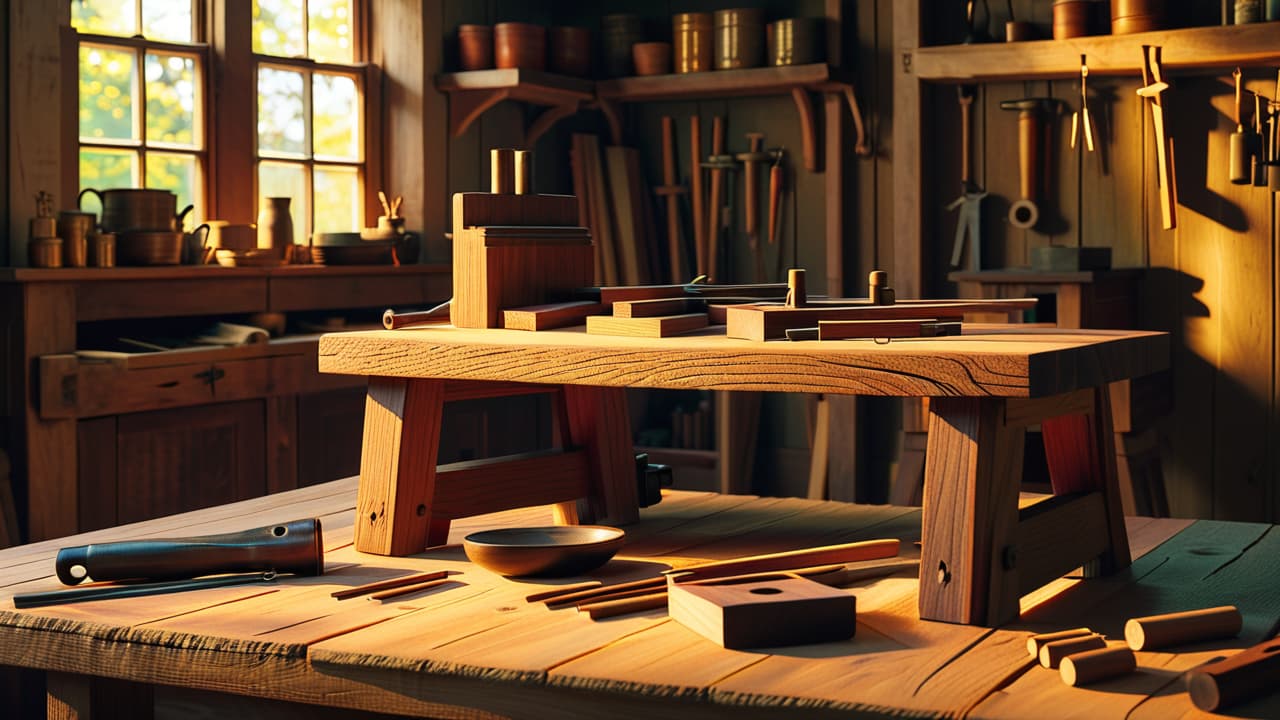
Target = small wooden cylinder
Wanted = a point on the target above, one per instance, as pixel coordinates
(520, 45)
(1094, 665)
(618, 33)
(652, 58)
(1051, 655)
(878, 290)
(1241, 677)
(1035, 642)
(1019, 31)
(523, 172)
(691, 42)
(1161, 631)
(797, 293)
(502, 171)
(1134, 16)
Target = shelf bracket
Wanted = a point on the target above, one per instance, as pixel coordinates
(860, 143)
(611, 115)
(465, 107)
(545, 120)
(807, 133)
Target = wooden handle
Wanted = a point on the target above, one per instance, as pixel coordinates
(1035, 642)
(1160, 631)
(1242, 676)
(388, 584)
(717, 183)
(695, 188)
(1028, 152)
(668, 151)
(1239, 101)
(1094, 665)
(797, 294)
(966, 103)
(775, 198)
(408, 590)
(626, 606)
(848, 552)
(750, 184)
(570, 598)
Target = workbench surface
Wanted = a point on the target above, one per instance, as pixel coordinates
(478, 645)
(989, 360)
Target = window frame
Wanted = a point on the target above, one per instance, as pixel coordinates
(140, 46)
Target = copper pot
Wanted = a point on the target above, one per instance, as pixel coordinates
(129, 209)
(475, 47)
(520, 45)
(570, 51)
(149, 247)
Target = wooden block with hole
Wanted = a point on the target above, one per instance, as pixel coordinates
(648, 327)
(512, 251)
(785, 610)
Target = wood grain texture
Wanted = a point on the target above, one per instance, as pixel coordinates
(646, 327)
(398, 467)
(549, 316)
(770, 322)
(599, 423)
(1002, 361)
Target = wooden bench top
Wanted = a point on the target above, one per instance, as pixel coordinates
(1000, 361)
(478, 644)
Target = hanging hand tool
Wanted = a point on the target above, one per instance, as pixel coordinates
(671, 191)
(1273, 168)
(1241, 140)
(1032, 151)
(713, 208)
(750, 194)
(775, 195)
(1154, 90)
(1259, 142)
(1080, 119)
(695, 188)
(969, 223)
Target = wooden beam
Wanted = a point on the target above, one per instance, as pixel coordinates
(908, 160)
(232, 177)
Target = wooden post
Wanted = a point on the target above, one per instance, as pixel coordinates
(737, 425)
(398, 467)
(908, 165)
(598, 422)
(973, 465)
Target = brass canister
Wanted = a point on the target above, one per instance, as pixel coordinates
(739, 40)
(45, 252)
(691, 42)
(102, 249)
(796, 41)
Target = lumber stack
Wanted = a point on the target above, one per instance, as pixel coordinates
(613, 202)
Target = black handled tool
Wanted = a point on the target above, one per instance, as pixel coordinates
(293, 547)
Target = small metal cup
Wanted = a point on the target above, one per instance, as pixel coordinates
(102, 249)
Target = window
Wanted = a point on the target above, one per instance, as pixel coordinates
(310, 124)
(141, 77)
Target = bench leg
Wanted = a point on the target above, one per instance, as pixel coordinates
(972, 470)
(1082, 458)
(398, 467)
(599, 423)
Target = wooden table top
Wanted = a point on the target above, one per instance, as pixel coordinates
(478, 644)
(996, 360)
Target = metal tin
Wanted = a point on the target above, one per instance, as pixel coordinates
(796, 41)
(1133, 16)
(45, 252)
(739, 38)
(102, 249)
(1248, 11)
(617, 34)
(691, 42)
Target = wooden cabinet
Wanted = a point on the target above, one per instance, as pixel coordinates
(97, 442)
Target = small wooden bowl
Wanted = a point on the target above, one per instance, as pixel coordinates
(652, 58)
(555, 551)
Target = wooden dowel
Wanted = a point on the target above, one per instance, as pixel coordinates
(1160, 631)
(1051, 655)
(562, 590)
(1242, 676)
(1094, 665)
(1035, 642)
(387, 584)
(439, 314)
(845, 553)
(397, 592)
(569, 598)
(621, 595)
(797, 292)
(613, 608)
(502, 171)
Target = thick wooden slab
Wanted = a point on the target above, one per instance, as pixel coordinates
(549, 316)
(648, 327)
(994, 360)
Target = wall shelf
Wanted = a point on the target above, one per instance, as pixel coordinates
(475, 91)
(1219, 46)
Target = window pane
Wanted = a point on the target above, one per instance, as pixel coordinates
(103, 168)
(106, 94)
(338, 206)
(329, 31)
(171, 100)
(337, 113)
(105, 17)
(276, 179)
(277, 28)
(179, 174)
(167, 20)
(280, 112)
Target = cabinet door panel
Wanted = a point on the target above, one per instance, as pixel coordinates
(330, 430)
(172, 461)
